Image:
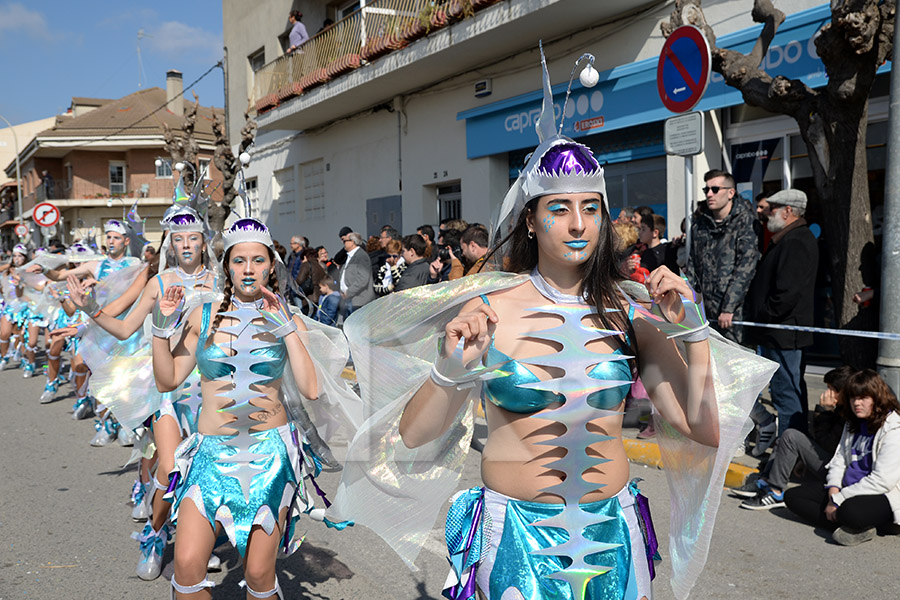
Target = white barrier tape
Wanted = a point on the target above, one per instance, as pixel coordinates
(878, 335)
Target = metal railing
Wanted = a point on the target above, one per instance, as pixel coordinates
(380, 27)
(89, 189)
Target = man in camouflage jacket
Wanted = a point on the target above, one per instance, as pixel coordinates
(723, 253)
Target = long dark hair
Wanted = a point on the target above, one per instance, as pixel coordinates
(600, 274)
(867, 383)
(228, 291)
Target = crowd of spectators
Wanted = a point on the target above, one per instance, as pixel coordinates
(329, 290)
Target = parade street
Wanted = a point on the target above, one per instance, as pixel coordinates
(65, 527)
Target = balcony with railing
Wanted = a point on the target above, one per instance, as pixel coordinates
(97, 192)
(389, 47)
(377, 29)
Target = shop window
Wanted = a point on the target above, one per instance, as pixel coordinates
(637, 183)
(758, 166)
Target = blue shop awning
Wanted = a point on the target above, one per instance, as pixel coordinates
(627, 95)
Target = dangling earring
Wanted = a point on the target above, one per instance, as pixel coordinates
(530, 234)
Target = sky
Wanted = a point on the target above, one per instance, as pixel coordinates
(53, 50)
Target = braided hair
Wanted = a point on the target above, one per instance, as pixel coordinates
(228, 291)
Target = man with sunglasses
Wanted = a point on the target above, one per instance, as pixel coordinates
(723, 252)
(782, 293)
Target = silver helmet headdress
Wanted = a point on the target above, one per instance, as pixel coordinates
(559, 165)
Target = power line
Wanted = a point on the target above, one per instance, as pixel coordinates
(148, 115)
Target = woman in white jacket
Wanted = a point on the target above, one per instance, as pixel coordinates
(862, 489)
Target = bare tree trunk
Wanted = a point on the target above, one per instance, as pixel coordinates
(184, 149)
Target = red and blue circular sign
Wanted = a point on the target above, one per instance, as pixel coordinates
(683, 71)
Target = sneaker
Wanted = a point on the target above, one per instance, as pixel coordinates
(3, 362)
(765, 438)
(153, 543)
(27, 369)
(751, 489)
(764, 500)
(49, 392)
(849, 537)
(214, 563)
(107, 431)
(648, 432)
(82, 409)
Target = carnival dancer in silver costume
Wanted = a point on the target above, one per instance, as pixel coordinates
(64, 323)
(100, 268)
(244, 470)
(14, 313)
(551, 352)
(22, 317)
(122, 373)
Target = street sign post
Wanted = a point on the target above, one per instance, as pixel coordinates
(682, 76)
(21, 230)
(683, 70)
(683, 135)
(45, 214)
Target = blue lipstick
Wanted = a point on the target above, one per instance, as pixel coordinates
(577, 244)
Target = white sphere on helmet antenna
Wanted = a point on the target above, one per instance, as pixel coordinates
(589, 76)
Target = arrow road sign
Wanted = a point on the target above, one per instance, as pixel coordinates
(45, 214)
(683, 70)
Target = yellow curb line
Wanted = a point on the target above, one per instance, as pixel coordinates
(643, 452)
(647, 453)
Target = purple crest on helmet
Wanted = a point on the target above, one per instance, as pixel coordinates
(184, 219)
(568, 159)
(248, 225)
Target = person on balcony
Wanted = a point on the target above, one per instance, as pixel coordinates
(298, 35)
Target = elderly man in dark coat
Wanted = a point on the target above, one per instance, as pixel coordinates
(782, 293)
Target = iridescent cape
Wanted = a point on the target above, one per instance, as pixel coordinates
(398, 492)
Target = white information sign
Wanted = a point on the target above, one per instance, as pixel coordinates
(684, 134)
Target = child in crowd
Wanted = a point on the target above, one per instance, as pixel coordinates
(329, 301)
(862, 488)
(768, 491)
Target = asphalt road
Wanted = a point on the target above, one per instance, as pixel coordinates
(65, 527)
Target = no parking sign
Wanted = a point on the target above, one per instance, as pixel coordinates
(683, 71)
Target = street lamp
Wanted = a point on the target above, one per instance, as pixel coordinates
(18, 169)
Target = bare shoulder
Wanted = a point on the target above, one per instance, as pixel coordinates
(516, 296)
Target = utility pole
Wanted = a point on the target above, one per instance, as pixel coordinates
(888, 361)
(18, 168)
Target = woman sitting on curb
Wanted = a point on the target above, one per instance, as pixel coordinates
(862, 490)
(814, 452)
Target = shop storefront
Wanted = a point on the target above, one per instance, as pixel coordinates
(621, 119)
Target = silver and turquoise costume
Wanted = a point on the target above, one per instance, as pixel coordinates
(398, 491)
(244, 479)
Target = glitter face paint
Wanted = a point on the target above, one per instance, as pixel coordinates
(572, 224)
(188, 249)
(249, 270)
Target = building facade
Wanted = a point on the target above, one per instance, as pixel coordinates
(100, 157)
(406, 112)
